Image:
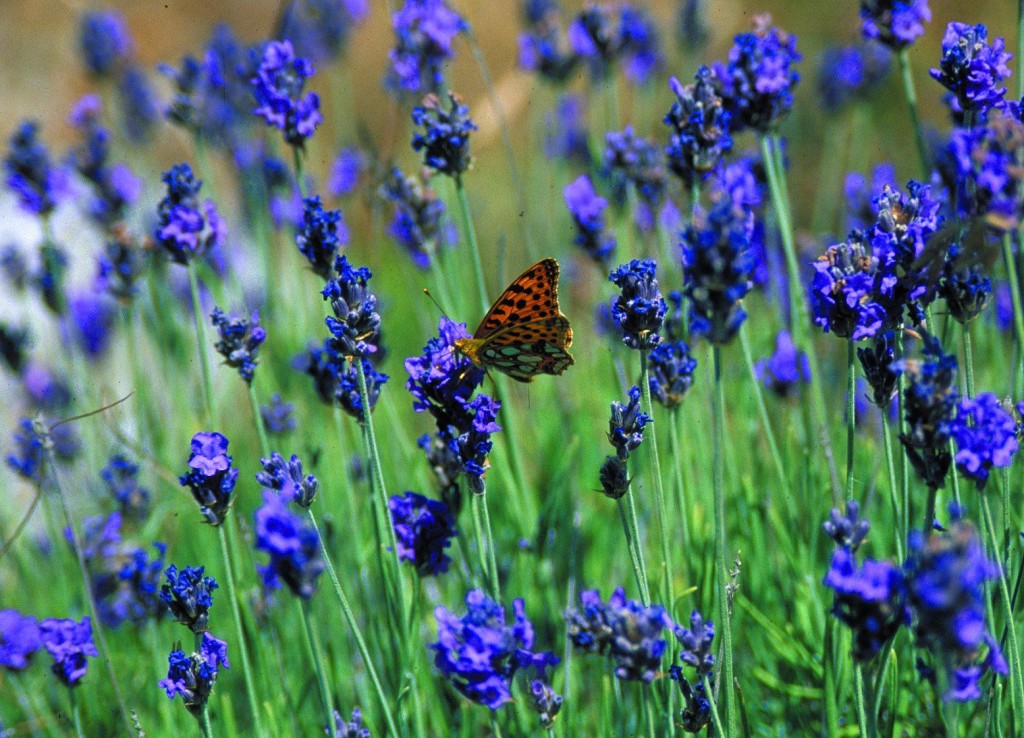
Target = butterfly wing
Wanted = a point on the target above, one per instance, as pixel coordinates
(526, 349)
(532, 295)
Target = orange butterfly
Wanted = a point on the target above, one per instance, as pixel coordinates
(524, 333)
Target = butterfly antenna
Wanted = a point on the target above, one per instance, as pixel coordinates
(436, 303)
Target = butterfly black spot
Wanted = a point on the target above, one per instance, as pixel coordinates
(521, 303)
(517, 288)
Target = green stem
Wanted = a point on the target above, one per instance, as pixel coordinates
(910, 93)
(1018, 310)
(851, 415)
(721, 557)
(632, 546)
(864, 718)
(97, 624)
(299, 170)
(76, 716)
(204, 723)
(1016, 672)
(762, 409)
(968, 359)
(257, 417)
(482, 521)
(890, 467)
(829, 667)
(318, 666)
(474, 247)
(353, 625)
(901, 420)
(659, 490)
(243, 649)
(716, 721)
(645, 698)
(204, 359)
(677, 452)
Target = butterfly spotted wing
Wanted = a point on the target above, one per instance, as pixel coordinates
(524, 333)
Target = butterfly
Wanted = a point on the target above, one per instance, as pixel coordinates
(524, 333)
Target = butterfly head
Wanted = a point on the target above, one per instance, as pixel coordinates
(469, 347)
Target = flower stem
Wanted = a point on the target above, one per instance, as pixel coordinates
(204, 359)
(762, 408)
(243, 649)
(257, 417)
(910, 93)
(299, 170)
(890, 467)
(1016, 672)
(1018, 310)
(716, 721)
(968, 359)
(901, 420)
(851, 415)
(721, 558)
(474, 246)
(866, 724)
(829, 668)
(482, 521)
(677, 451)
(204, 724)
(97, 624)
(76, 716)
(353, 625)
(659, 490)
(321, 677)
(633, 547)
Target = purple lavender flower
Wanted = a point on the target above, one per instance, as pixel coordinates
(287, 478)
(963, 286)
(480, 654)
(185, 233)
(189, 596)
(929, 406)
(631, 160)
(444, 140)
(542, 47)
(323, 365)
(121, 265)
(121, 477)
(896, 23)
(211, 476)
(848, 73)
(985, 176)
(425, 32)
(38, 184)
(843, 298)
(446, 466)
(442, 381)
(629, 632)
(985, 435)
(670, 368)
(239, 341)
(319, 236)
(640, 309)
(565, 131)
(424, 528)
(946, 574)
(19, 639)
(355, 325)
(278, 415)
(626, 426)
(602, 40)
(138, 108)
(640, 44)
(192, 677)
(347, 392)
(784, 370)
(971, 69)
(695, 643)
(870, 600)
(700, 128)
(419, 222)
(861, 197)
(593, 39)
(587, 209)
(296, 555)
(29, 457)
(878, 361)
(321, 29)
(69, 643)
(696, 710)
(278, 89)
(473, 444)
(756, 86)
(91, 317)
(544, 701)
(352, 728)
(346, 171)
(849, 529)
(105, 42)
(718, 267)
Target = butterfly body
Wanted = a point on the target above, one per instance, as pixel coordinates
(524, 333)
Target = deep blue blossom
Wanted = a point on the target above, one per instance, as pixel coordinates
(985, 176)
(869, 599)
(480, 654)
(843, 297)
(419, 222)
(614, 477)
(38, 184)
(424, 528)
(565, 130)
(972, 69)
(19, 639)
(544, 701)
(92, 317)
(321, 29)
(192, 677)
(105, 42)
(878, 360)
(447, 468)
(946, 575)
(138, 107)
(785, 370)
(670, 368)
(287, 478)
(183, 231)
(442, 381)
(278, 88)
(985, 435)
(296, 555)
(444, 139)
(699, 124)
(626, 426)
(696, 644)
(239, 341)
(718, 264)
(44, 389)
(346, 171)
(640, 44)
(633, 161)
(896, 23)
(189, 596)
(593, 38)
(355, 324)
(963, 286)
(542, 46)
(602, 40)
(69, 643)
(121, 265)
(211, 477)
(848, 529)
(121, 477)
(323, 365)
(640, 309)
(320, 235)
(756, 85)
(929, 405)
(29, 455)
(849, 73)
(425, 32)
(587, 209)
(347, 392)
(352, 728)
(128, 591)
(278, 415)
(473, 444)
(695, 713)
(861, 195)
(631, 633)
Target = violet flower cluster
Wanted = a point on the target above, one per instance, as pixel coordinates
(192, 677)
(211, 476)
(279, 90)
(425, 33)
(420, 221)
(625, 433)
(184, 231)
(189, 596)
(587, 209)
(424, 528)
(444, 139)
(699, 124)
